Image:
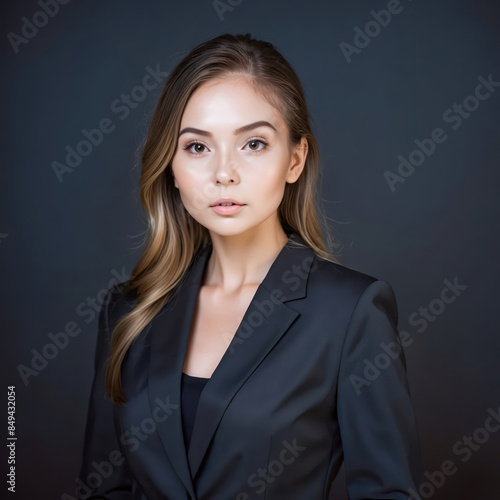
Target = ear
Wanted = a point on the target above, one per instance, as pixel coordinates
(297, 160)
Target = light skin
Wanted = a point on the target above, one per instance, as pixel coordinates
(240, 166)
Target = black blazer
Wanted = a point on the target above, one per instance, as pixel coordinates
(311, 379)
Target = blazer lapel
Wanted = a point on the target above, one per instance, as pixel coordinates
(266, 320)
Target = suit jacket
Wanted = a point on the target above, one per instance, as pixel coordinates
(315, 377)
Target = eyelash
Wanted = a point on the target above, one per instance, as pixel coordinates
(256, 139)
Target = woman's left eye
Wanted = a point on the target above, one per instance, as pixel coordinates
(255, 141)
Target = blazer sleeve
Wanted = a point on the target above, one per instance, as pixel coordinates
(104, 473)
(382, 454)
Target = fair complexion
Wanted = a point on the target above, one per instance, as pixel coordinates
(220, 153)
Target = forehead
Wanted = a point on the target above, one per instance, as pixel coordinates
(229, 102)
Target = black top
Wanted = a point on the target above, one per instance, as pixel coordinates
(191, 388)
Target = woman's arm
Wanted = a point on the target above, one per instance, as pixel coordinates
(382, 455)
(104, 473)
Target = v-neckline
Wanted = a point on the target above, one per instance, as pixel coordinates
(193, 378)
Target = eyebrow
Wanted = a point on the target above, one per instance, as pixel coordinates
(241, 130)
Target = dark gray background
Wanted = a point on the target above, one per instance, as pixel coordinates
(61, 242)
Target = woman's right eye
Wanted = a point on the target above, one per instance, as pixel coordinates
(199, 145)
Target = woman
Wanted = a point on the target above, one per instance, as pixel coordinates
(235, 357)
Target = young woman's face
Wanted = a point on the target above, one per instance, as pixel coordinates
(214, 159)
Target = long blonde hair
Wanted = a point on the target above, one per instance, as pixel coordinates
(173, 236)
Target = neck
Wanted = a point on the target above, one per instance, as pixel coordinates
(243, 259)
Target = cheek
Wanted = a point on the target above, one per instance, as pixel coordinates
(194, 190)
(180, 170)
(268, 185)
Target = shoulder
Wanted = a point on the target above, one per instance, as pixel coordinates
(349, 288)
(337, 278)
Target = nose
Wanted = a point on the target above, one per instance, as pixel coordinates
(226, 171)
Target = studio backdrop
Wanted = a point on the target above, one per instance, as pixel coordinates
(405, 99)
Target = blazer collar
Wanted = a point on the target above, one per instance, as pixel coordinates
(259, 330)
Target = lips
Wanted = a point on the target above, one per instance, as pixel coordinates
(224, 201)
